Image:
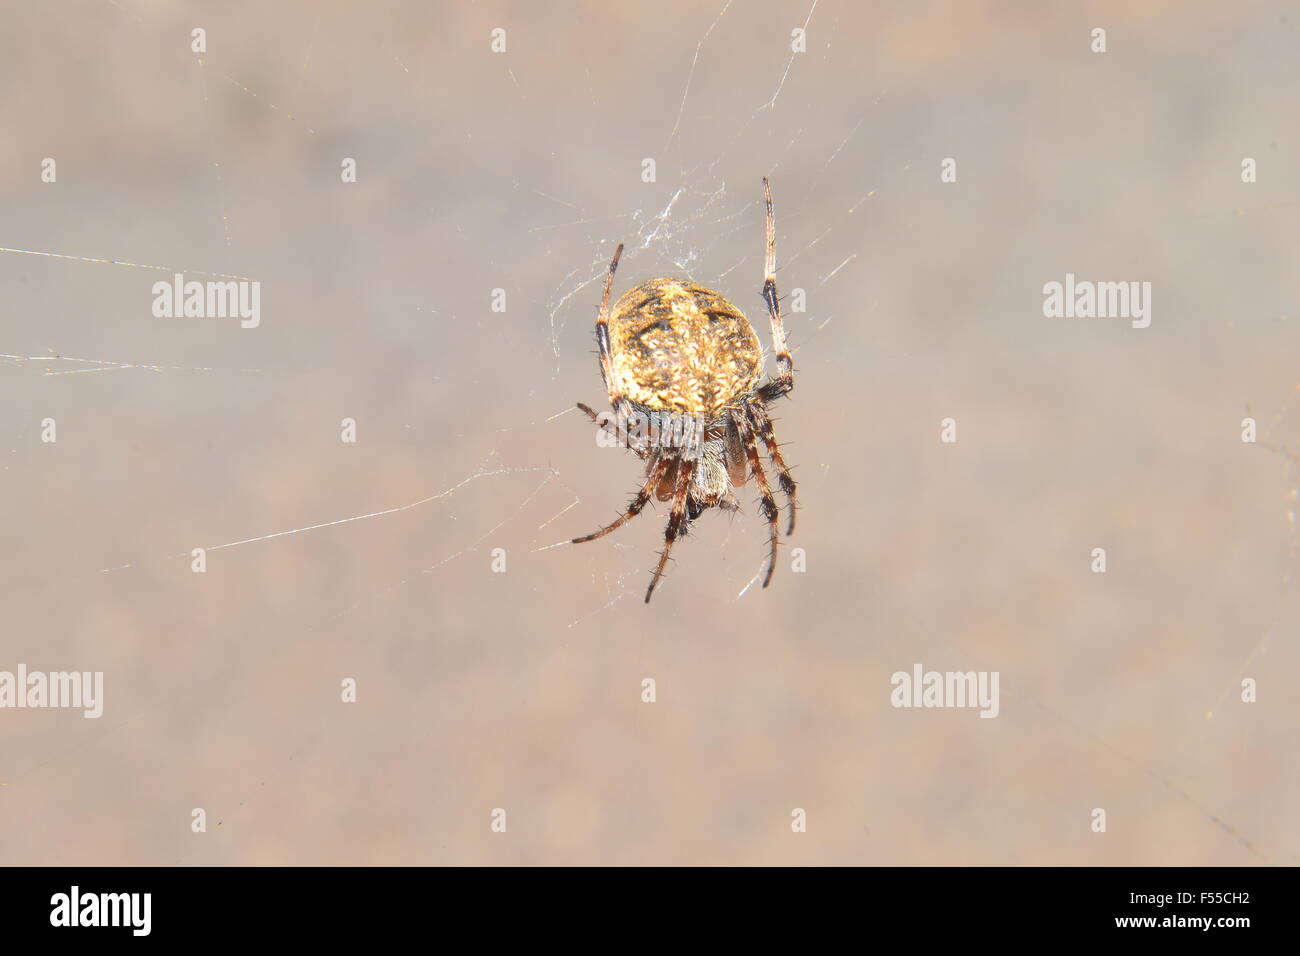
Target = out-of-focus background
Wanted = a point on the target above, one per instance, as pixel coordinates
(521, 688)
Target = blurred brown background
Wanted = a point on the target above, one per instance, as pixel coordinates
(521, 690)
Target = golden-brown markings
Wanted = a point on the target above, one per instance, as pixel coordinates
(767, 503)
(679, 347)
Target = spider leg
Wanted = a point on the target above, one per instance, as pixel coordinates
(676, 520)
(620, 433)
(767, 503)
(622, 407)
(602, 331)
(656, 475)
(784, 381)
(784, 478)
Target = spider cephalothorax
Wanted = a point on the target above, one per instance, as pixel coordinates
(684, 359)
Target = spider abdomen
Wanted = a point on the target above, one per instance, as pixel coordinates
(679, 347)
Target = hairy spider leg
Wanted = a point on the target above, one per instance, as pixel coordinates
(784, 381)
(624, 437)
(767, 503)
(656, 475)
(676, 520)
(786, 480)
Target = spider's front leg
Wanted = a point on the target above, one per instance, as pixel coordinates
(758, 413)
(621, 435)
(767, 504)
(616, 398)
(783, 384)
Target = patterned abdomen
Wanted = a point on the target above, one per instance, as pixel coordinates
(679, 347)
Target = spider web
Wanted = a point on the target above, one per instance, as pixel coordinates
(469, 441)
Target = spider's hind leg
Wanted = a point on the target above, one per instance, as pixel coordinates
(767, 503)
(783, 476)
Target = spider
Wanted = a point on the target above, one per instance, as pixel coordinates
(674, 350)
